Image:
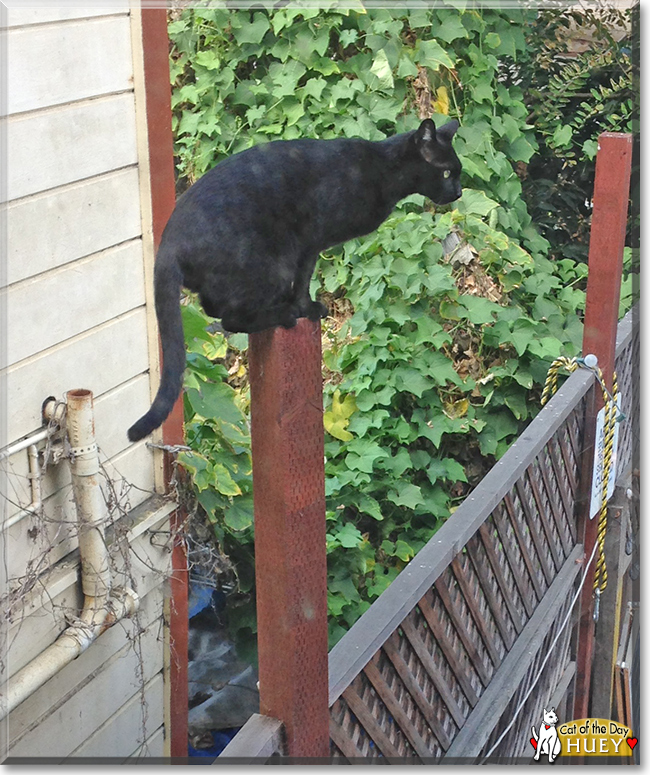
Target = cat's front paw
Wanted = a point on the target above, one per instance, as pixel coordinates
(316, 310)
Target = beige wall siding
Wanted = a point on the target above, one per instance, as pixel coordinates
(63, 63)
(77, 302)
(99, 359)
(46, 13)
(67, 143)
(73, 222)
(93, 290)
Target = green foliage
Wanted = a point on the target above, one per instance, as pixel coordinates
(574, 93)
(434, 358)
(218, 431)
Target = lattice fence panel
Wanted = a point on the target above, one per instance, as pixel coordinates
(418, 690)
(627, 370)
(539, 683)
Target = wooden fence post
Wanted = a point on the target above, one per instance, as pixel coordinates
(160, 148)
(290, 558)
(607, 240)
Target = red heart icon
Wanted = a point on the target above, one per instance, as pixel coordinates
(533, 742)
(632, 741)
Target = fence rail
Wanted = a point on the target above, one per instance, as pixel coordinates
(440, 662)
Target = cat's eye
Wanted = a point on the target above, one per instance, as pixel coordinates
(446, 173)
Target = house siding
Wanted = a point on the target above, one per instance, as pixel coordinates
(78, 314)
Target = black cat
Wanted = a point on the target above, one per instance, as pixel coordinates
(247, 235)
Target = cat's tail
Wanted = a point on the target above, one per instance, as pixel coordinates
(534, 733)
(167, 291)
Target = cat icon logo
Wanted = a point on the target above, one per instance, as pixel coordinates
(547, 741)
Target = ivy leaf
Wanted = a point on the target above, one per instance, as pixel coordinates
(431, 54)
(397, 464)
(403, 550)
(516, 402)
(475, 203)
(408, 379)
(363, 454)
(492, 40)
(446, 468)
(441, 105)
(223, 481)
(547, 348)
(239, 515)
(482, 92)
(207, 59)
(314, 88)
(347, 36)
(521, 149)
(294, 110)
(405, 494)
(523, 378)
(451, 28)
(382, 70)
(215, 400)
(590, 149)
(368, 505)
(479, 310)
(381, 580)
(254, 31)
(562, 136)
(406, 67)
(211, 502)
(348, 536)
(337, 418)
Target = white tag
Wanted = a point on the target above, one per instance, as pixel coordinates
(598, 472)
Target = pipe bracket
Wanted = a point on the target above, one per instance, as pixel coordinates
(76, 452)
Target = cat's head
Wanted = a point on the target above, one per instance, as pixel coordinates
(439, 168)
(550, 716)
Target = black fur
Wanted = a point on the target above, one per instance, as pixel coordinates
(247, 235)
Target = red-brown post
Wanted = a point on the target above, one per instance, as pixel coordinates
(607, 240)
(290, 557)
(155, 43)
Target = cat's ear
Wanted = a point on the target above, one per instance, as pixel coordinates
(425, 139)
(446, 132)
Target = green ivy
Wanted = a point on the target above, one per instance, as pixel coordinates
(437, 346)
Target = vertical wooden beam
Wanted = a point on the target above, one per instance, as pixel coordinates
(155, 43)
(290, 558)
(607, 240)
(608, 627)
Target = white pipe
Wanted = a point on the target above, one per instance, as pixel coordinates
(102, 606)
(67, 647)
(19, 446)
(53, 412)
(91, 507)
(34, 480)
(35, 484)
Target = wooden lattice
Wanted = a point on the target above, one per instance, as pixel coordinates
(628, 360)
(455, 649)
(423, 682)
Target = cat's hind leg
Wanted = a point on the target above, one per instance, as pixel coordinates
(314, 310)
(211, 308)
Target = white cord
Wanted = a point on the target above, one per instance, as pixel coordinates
(548, 654)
